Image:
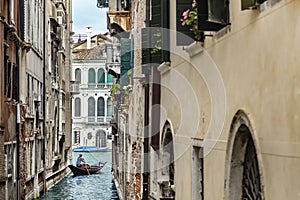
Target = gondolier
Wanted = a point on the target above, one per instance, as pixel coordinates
(80, 160)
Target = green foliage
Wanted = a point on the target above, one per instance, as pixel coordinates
(190, 18)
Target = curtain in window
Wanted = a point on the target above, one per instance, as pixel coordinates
(78, 75)
(92, 77)
(109, 78)
(91, 106)
(100, 107)
(77, 107)
(101, 76)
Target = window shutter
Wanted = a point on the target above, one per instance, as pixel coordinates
(247, 4)
(160, 34)
(145, 50)
(21, 21)
(212, 15)
(183, 35)
(165, 32)
(15, 82)
(125, 60)
(156, 35)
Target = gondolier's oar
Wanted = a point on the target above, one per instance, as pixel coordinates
(88, 171)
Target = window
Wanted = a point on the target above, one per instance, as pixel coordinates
(126, 60)
(101, 76)
(197, 173)
(91, 106)
(183, 35)
(212, 15)
(109, 78)
(101, 139)
(78, 75)
(100, 107)
(92, 78)
(248, 4)
(109, 107)
(77, 107)
(77, 137)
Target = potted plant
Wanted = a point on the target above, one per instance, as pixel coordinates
(190, 18)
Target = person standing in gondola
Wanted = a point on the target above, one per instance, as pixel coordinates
(80, 160)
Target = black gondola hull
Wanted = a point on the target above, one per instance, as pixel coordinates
(80, 172)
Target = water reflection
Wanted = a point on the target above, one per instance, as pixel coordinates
(95, 186)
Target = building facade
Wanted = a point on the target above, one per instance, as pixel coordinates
(92, 104)
(217, 117)
(28, 164)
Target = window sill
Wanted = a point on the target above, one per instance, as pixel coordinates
(194, 49)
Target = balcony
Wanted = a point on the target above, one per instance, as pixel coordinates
(91, 119)
(100, 119)
(100, 85)
(74, 88)
(118, 21)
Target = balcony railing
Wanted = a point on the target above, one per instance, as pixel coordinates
(91, 119)
(100, 119)
(74, 88)
(100, 85)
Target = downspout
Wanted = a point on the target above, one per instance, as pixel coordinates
(44, 96)
(146, 121)
(18, 58)
(18, 124)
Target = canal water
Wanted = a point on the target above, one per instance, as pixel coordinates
(91, 187)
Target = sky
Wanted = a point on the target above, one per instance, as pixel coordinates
(85, 13)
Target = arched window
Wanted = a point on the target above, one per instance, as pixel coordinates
(109, 107)
(91, 107)
(78, 75)
(101, 76)
(77, 107)
(245, 174)
(92, 77)
(109, 78)
(100, 107)
(167, 161)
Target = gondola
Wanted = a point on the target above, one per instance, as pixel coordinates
(86, 169)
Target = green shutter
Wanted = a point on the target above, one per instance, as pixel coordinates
(213, 15)
(155, 35)
(247, 4)
(145, 50)
(160, 36)
(183, 35)
(125, 60)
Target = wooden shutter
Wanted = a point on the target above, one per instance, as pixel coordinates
(213, 15)
(248, 4)
(155, 31)
(125, 60)
(15, 82)
(160, 34)
(183, 35)
(145, 50)
(21, 21)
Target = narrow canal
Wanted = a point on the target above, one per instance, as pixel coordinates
(97, 186)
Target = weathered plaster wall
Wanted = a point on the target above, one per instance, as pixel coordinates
(258, 62)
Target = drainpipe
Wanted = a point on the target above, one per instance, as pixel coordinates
(18, 125)
(146, 121)
(44, 96)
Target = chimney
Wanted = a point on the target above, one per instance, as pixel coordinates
(88, 36)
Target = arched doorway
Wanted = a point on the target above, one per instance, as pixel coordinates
(245, 176)
(101, 139)
(167, 163)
